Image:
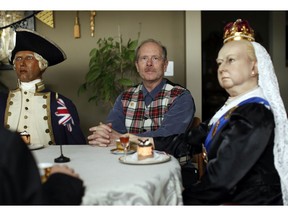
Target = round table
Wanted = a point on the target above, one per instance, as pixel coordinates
(110, 182)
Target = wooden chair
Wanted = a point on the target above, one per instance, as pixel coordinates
(191, 166)
(198, 158)
(196, 121)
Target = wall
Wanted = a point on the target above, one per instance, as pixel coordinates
(166, 26)
(193, 58)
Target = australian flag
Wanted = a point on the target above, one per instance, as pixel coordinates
(65, 118)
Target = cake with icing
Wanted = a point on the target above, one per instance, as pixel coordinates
(145, 150)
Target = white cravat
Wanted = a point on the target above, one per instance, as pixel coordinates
(29, 86)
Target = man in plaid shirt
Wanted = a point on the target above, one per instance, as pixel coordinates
(155, 107)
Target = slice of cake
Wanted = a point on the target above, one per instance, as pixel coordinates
(145, 150)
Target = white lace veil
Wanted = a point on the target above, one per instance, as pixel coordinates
(269, 84)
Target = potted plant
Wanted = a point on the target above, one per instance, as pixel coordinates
(111, 69)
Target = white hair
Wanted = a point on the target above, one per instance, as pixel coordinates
(43, 63)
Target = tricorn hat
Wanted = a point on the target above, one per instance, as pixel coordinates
(28, 40)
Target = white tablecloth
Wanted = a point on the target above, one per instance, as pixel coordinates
(109, 182)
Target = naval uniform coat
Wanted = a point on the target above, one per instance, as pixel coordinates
(61, 134)
(240, 168)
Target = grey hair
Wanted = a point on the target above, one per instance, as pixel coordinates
(164, 49)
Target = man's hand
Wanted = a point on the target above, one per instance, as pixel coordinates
(103, 135)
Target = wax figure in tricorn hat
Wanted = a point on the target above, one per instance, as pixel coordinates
(48, 117)
(32, 41)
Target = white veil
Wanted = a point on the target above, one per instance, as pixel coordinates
(269, 84)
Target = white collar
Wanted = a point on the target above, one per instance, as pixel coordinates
(233, 101)
(29, 86)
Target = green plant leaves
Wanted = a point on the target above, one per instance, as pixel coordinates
(111, 70)
(125, 82)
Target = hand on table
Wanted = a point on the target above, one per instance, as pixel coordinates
(64, 170)
(103, 135)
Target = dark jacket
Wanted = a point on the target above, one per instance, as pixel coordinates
(241, 167)
(20, 178)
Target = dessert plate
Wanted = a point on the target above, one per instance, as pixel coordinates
(121, 152)
(35, 147)
(159, 157)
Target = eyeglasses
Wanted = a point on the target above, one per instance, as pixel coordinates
(26, 58)
(154, 59)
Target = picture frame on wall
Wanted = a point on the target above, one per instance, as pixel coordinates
(9, 22)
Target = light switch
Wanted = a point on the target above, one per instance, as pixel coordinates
(170, 69)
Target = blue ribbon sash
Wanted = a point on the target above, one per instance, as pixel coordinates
(215, 128)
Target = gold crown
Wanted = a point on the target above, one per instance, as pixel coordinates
(239, 30)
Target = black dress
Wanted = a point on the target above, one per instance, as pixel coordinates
(241, 167)
(20, 178)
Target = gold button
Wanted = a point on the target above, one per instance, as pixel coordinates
(47, 131)
(44, 96)
(25, 117)
(7, 126)
(9, 113)
(12, 95)
(25, 126)
(45, 117)
(10, 102)
(25, 92)
(27, 100)
(44, 106)
(26, 108)
(50, 143)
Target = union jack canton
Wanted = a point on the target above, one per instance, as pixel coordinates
(64, 115)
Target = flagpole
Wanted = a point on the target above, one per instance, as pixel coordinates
(62, 158)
